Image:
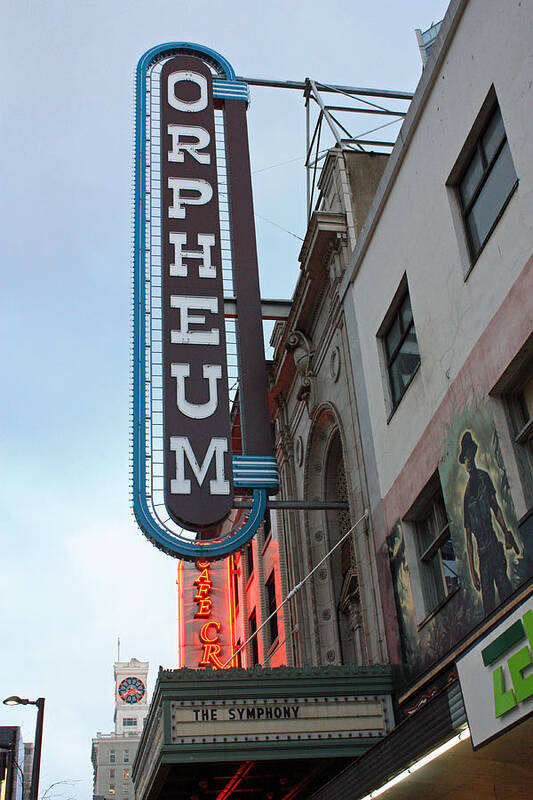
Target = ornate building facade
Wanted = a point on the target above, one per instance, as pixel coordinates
(336, 617)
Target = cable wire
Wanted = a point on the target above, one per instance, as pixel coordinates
(297, 587)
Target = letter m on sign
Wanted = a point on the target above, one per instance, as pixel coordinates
(216, 450)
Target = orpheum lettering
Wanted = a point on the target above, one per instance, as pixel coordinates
(196, 426)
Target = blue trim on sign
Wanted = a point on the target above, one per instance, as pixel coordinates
(190, 550)
(231, 90)
(252, 471)
(158, 535)
(243, 459)
(204, 52)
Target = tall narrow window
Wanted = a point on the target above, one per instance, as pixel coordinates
(486, 183)
(520, 410)
(437, 556)
(271, 607)
(235, 579)
(401, 350)
(249, 560)
(254, 649)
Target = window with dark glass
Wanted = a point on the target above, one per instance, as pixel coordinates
(401, 350)
(271, 607)
(267, 525)
(486, 183)
(520, 410)
(235, 579)
(249, 560)
(252, 626)
(437, 557)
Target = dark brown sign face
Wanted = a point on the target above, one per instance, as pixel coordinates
(196, 428)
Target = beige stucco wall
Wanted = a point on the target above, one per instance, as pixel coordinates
(416, 234)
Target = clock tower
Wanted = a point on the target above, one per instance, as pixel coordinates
(131, 696)
(113, 754)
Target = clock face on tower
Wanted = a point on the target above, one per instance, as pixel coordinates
(131, 690)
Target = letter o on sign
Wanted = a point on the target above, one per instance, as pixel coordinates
(187, 105)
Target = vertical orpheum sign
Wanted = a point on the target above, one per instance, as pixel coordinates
(195, 241)
(196, 427)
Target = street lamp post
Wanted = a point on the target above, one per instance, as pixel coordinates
(14, 700)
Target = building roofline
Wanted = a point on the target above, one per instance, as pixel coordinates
(406, 133)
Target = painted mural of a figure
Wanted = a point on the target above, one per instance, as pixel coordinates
(402, 592)
(480, 503)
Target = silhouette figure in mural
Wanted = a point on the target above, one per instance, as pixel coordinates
(479, 501)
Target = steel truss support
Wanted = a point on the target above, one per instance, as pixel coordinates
(354, 103)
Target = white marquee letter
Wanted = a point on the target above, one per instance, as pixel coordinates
(179, 148)
(205, 241)
(187, 105)
(178, 185)
(183, 335)
(213, 373)
(182, 447)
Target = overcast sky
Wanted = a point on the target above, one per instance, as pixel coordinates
(76, 571)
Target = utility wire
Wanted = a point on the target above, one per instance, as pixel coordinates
(282, 163)
(279, 226)
(372, 130)
(297, 587)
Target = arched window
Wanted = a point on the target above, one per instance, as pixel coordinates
(344, 574)
(334, 596)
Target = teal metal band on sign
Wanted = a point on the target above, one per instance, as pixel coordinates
(191, 551)
(255, 471)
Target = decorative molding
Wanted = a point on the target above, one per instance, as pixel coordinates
(335, 364)
(302, 351)
(299, 451)
(382, 675)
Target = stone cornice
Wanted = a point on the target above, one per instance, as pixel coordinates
(289, 681)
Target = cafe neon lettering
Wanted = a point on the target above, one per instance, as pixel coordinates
(209, 632)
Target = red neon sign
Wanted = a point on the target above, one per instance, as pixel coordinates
(204, 636)
(207, 604)
(209, 639)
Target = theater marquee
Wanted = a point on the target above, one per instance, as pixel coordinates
(201, 719)
(194, 242)
(280, 719)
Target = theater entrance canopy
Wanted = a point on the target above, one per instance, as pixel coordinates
(263, 733)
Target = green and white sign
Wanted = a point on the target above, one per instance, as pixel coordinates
(496, 676)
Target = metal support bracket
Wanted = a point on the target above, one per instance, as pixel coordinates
(299, 505)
